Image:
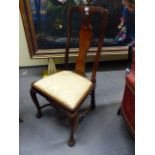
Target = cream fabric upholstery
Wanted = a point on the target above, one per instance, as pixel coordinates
(66, 87)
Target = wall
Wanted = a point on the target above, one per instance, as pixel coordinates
(24, 58)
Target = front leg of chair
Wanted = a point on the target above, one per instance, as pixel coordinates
(73, 126)
(35, 100)
(93, 105)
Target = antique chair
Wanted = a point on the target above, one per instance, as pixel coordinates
(66, 90)
(127, 108)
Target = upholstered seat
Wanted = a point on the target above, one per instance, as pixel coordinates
(66, 87)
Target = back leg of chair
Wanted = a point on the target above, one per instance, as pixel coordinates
(119, 112)
(93, 105)
(73, 126)
(35, 100)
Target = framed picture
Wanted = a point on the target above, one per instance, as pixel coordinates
(45, 24)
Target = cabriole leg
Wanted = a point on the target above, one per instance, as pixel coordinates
(35, 100)
(73, 126)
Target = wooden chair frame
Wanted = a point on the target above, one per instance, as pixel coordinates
(85, 38)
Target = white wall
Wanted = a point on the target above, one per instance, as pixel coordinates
(24, 58)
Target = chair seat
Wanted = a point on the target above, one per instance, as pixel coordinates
(65, 87)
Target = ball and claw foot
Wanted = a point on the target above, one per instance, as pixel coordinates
(71, 142)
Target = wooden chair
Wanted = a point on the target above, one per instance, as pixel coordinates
(67, 90)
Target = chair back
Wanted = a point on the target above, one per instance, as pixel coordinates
(86, 36)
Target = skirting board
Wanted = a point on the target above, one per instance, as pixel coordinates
(108, 54)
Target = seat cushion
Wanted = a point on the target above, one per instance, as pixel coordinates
(66, 87)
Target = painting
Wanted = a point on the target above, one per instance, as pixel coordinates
(47, 24)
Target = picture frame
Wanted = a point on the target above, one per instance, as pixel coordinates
(38, 51)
